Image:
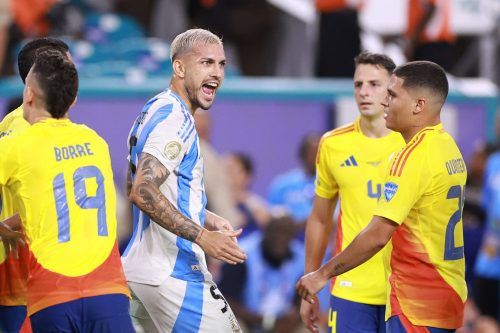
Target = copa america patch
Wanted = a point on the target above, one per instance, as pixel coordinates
(390, 190)
(172, 150)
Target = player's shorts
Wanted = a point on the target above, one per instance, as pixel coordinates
(98, 314)
(12, 318)
(401, 324)
(179, 306)
(351, 317)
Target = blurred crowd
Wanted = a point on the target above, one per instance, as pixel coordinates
(262, 38)
(265, 40)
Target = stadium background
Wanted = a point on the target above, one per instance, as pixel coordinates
(123, 63)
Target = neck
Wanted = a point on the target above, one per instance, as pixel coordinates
(180, 90)
(36, 115)
(410, 132)
(373, 127)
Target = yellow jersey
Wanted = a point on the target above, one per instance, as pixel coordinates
(352, 165)
(13, 271)
(60, 176)
(423, 192)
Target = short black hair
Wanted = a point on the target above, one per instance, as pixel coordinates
(424, 74)
(376, 59)
(26, 57)
(246, 162)
(58, 79)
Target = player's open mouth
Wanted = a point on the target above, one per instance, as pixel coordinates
(209, 88)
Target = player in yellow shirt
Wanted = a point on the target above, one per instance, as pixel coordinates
(421, 209)
(350, 165)
(61, 179)
(14, 270)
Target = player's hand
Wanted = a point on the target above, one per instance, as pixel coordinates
(310, 284)
(11, 239)
(310, 314)
(220, 245)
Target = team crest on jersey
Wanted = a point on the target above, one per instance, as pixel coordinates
(390, 190)
(172, 150)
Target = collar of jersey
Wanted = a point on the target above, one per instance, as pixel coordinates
(438, 127)
(169, 91)
(54, 120)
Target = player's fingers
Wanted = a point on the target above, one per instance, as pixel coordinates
(6, 246)
(234, 250)
(233, 257)
(233, 233)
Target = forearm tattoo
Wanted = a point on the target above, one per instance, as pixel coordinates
(147, 196)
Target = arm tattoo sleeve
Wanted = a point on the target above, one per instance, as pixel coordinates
(147, 196)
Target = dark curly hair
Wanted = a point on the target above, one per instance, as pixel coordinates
(58, 79)
(26, 57)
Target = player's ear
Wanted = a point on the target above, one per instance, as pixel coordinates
(28, 95)
(420, 105)
(179, 69)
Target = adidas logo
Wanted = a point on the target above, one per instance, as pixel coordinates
(351, 161)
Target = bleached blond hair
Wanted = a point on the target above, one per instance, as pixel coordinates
(185, 41)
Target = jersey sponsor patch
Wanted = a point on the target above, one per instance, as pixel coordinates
(390, 190)
(172, 150)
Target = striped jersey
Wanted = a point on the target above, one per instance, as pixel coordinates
(423, 192)
(352, 165)
(165, 129)
(13, 271)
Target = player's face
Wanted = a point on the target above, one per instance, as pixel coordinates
(370, 88)
(204, 73)
(398, 105)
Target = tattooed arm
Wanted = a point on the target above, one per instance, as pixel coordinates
(145, 194)
(369, 241)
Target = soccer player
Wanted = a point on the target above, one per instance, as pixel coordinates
(350, 165)
(61, 179)
(172, 290)
(14, 270)
(420, 209)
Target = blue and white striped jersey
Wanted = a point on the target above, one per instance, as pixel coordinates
(165, 129)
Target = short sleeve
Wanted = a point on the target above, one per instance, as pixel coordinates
(167, 141)
(404, 185)
(325, 184)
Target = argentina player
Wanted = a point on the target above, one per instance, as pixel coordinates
(164, 262)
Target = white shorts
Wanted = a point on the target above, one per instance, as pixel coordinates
(180, 306)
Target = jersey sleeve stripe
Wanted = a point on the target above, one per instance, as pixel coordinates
(409, 153)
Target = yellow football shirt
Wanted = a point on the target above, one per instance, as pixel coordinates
(60, 176)
(423, 192)
(13, 271)
(352, 165)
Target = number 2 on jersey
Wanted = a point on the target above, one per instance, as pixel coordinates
(81, 198)
(451, 252)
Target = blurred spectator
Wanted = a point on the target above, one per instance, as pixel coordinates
(487, 287)
(169, 18)
(294, 190)
(251, 25)
(339, 37)
(429, 35)
(261, 291)
(219, 199)
(254, 211)
(473, 218)
(30, 16)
